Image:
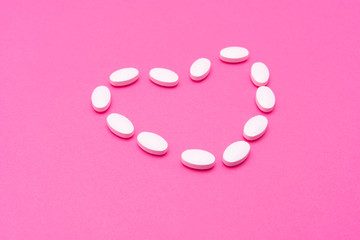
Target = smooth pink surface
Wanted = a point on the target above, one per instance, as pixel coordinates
(64, 175)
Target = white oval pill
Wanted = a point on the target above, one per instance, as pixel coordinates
(265, 99)
(255, 127)
(198, 159)
(120, 125)
(259, 74)
(200, 69)
(152, 143)
(101, 98)
(234, 54)
(236, 153)
(164, 77)
(124, 76)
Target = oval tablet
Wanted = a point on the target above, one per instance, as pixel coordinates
(164, 77)
(152, 143)
(101, 98)
(236, 153)
(255, 127)
(265, 99)
(234, 54)
(124, 76)
(200, 69)
(121, 126)
(198, 159)
(259, 74)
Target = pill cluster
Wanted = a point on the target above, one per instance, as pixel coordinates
(154, 144)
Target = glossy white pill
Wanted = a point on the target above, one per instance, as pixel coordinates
(152, 143)
(124, 76)
(255, 127)
(259, 74)
(200, 69)
(120, 125)
(265, 99)
(164, 77)
(236, 153)
(101, 98)
(234, 54)
(198, 159)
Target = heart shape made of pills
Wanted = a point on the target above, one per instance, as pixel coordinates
(153, 143)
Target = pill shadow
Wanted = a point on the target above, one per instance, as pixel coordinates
(150, 154)
(165, 87)
(202, 80)
(265, 113)
(202, 171)
(99, 113)
(236, 167)
(118, 137)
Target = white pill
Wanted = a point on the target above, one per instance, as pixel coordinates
(234, 54)
(101, 98)
(200, 69)
(164, 77)
(198, 159)
(259, 74)
(124, 76)
(255, 127)
(236, 153)
(265, 99)
(152, 143)
(120, 125)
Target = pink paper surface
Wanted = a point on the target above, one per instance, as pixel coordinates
(64, 175)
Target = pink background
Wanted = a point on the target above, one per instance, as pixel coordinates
(63, 175)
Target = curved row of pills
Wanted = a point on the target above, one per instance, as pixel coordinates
(152, 143)
(234, 154)
(122, 127)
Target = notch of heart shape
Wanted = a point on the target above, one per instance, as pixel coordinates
(235, 153)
